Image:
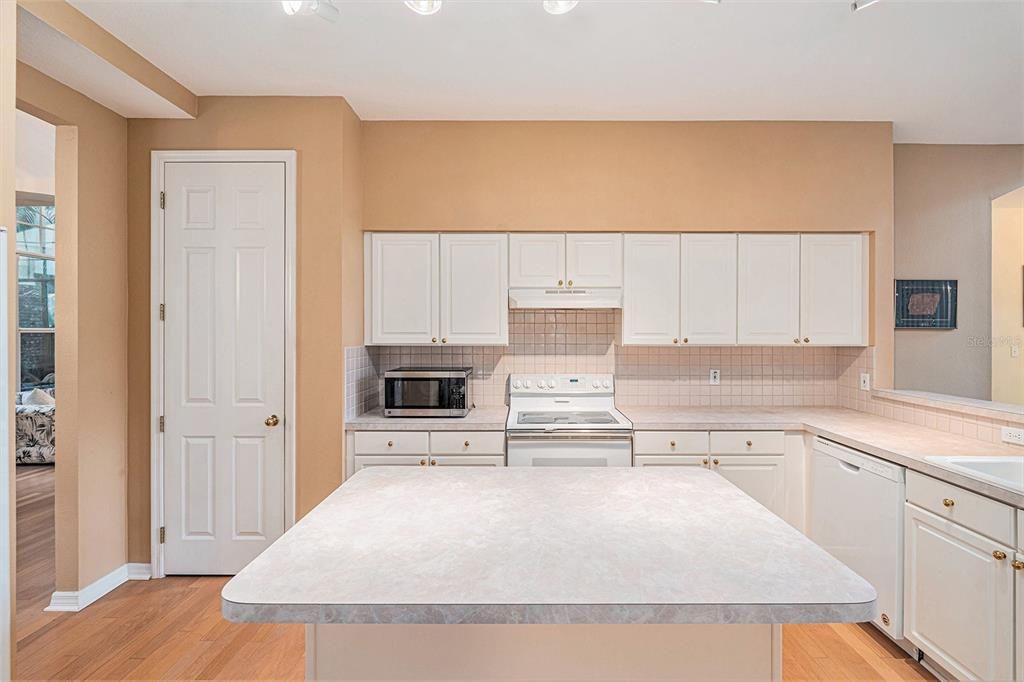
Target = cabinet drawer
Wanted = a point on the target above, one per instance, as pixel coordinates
(391, 443)
(467, 443)
(978, 513)
(748, 442)
(671, 461)
(1020, 545)
(670, 442)
(366, 461)
(468, 461)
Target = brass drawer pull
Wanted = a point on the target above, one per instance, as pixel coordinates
(948, 503)
(715, 461)
(705, 460)
(423, 462)
(391, 443)
(672, 443)
(433, 462)
(750, 443)
(998, 555)
(466, 443)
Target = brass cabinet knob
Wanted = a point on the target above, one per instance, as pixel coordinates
(391, 443)
(998, 555)
(423, 462)
(948, 503)
(272, 421)
(704, 461)
(466, 443)
(433, 462)
(560, 282)
(715, 461)
(569, 282)
(796, 340)
(1018, 565)
(750, 443)
(672, 443)
(675, 340)
(806, 340)
(433, 339)
(444, 339)
(686, 340)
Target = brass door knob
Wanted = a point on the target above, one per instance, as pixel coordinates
(466, 443)
(423, 462)
(806, 340)
(433, 339)
(998, 555)
(272, 421)
(948, 503)
(560, 282)
(391, 443)
(715, 462)
(569, 282)
(672, 443)
(1018, 565)
(750, 443)
(433, 462)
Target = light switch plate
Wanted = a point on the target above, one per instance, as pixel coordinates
(715, 377)
(865, 381)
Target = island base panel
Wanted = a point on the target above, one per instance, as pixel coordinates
(521, 653)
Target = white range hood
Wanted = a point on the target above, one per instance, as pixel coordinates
(565, 299)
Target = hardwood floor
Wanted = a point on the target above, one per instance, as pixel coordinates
(172, 628)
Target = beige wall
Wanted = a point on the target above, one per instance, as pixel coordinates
(943, 231)
(1008, 298)
(745, 176)
(91, 316)
(34, 155)
(328, 210)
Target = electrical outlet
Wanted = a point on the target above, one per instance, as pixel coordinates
(715, 378)
(1012, 435)
(865, 381)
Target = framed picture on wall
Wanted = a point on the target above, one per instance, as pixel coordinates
(926, 304)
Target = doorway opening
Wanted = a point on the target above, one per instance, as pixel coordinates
(1008, 298)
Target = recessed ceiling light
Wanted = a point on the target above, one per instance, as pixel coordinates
(322, 8)
(560, 6)
(424, 7)
(861, 4)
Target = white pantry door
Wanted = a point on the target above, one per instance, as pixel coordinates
(224, 364)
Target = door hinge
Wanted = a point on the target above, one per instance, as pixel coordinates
(163, 200)
(163, 311)
(161, 423)
(163, 535)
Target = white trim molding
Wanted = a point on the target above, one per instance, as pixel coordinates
(157, 160)
(76, 601)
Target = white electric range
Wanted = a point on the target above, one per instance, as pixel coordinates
(566, 420)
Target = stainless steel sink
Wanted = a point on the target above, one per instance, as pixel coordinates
(1006, 472)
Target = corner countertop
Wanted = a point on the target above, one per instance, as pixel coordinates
(904, 444)
(479, 419)
(544, 545)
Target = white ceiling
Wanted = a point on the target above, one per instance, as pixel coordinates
(943, 71)
(64, 60)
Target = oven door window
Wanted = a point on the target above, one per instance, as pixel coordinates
(415, 393)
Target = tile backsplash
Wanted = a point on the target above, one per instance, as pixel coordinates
(566, 341)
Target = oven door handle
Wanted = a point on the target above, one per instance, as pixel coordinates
(547, 436)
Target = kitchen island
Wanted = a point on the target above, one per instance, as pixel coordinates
(544, 573)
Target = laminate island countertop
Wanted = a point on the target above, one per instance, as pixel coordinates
(906, 444)
(544, 545)
(478, 419)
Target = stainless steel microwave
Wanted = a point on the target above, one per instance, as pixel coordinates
(427, 392)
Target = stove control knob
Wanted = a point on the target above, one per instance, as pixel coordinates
(517, 384)
(527, 383)
(606, 383)
(552, 383)
(542, 384)
(597, 384)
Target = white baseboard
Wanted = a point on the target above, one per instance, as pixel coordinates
(76, 601)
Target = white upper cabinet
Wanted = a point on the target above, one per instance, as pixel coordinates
(768, 289)
(833, 288)
(593, 260)
(403, 293)
(537, 260)
(708, 289)
(650, 307)
(474, 289)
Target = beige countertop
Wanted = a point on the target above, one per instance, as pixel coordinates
(904, 444)
(479, 419)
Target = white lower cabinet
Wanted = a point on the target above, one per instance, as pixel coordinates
(958, 597)
(1018, 565)
(366, 461)
(763, 477)
(424, 449)
(468, 460)
(670, 461)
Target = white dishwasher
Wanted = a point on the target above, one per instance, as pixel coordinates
(856, 514)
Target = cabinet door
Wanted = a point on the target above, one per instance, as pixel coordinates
(650, 290)
(536, 260)
(768, 289)
(670, 461)
(833, 289)
(958, 597)
(404, 289)
(1019, 578)
(708, 265)
(468, 461)
(763, 477)
(593, 260)
(365, 461)
(474, 289)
